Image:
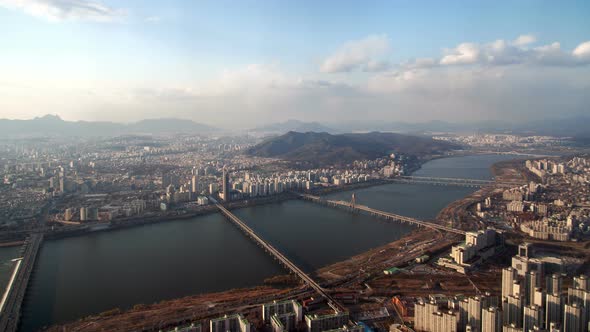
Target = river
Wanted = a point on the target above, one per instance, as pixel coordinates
(88, 274)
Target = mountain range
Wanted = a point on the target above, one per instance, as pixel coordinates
(327, 148)
(292, 125)
(53, 125)
(575, 126)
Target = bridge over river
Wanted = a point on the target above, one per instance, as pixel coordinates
(10, 306)
(441, 181)
(387, 215)
(279, 256)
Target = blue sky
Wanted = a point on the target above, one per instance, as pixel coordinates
(253, 61)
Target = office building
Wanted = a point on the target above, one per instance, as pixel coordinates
(280, 308)
(422, 314)
(524, 261)
(474, 312)
(83, 214)
(554, 306)
(513, 310)
(573, 318)
(463, 308)
(195, 184)
(532, 282)
(491, 320)
(229, 323)
(512, 328)
(554, 283)
(582, 282)
(532, 317)
(445, 321)
(286, 322)
(539, 297)
(317, 323)
(225, 186)
(509, 275)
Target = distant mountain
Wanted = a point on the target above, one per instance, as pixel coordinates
(558, 126)
(326, 148)
(293, 125)
(53, 125)
(169, 126)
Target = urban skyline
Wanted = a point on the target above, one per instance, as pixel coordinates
(294, 166)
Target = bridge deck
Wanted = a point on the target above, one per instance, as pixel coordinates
(387, 215)
(10, 316)
(454, 181)
(279, 256)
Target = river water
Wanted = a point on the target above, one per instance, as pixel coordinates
(89, 274)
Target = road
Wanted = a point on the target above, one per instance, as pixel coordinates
(10, 316)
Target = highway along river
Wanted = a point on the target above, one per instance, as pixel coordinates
(80, 276)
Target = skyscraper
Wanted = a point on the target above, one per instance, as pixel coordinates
(582, 282)
(491, 320)
(573, 320)
(532, 281)
(508, 276)
(533, 317)
(195, 184)
(474, 312)
(554, 283)
(463, 307)
(553, 308)
(513, 311)
(225, 185)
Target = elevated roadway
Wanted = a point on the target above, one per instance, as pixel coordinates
(442, 181)
(375, 212)
(280, 257)
(17, 287)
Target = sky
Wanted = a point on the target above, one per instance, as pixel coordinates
(245, 63)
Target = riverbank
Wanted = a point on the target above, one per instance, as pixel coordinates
(11, 244)
(457, 213)
(182, 311)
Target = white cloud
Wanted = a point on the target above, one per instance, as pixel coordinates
(461, 93)
(501, 52)
(376, 65)
(523, 40)
(582, 51)
(61, 10)
(464, 53)
(242, 97)
(363, 54)
(495, 80)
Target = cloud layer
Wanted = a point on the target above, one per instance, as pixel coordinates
(363, 54)
(61, 10)
(508, 79)
(518, 51)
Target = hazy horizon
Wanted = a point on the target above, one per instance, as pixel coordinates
(251, 63)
